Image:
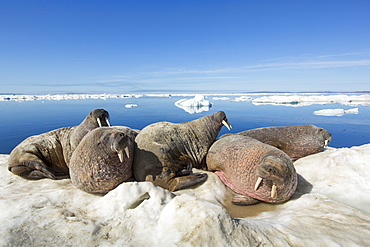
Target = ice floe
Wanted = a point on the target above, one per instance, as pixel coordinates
(243, 98)
(130, 105)
(331, 207)
(25, 97)
(335, 112)
(195, 105)
(220, 98)
(304, 100)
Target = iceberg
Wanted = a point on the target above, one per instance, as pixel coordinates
(305, 100)
(331, 207)
(335, 112)
(195, 105)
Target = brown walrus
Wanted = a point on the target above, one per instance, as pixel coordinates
(254, 170)
(103, 159)
(47, 155)
(297, 141)
(166, 152)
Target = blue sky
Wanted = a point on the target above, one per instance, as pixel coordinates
(195, 46)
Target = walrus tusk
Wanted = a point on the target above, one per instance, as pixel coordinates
(99, 123)
(326, 143)
(259, 180)
(273, 191)
(120, 156)
(106, 119)
(127, 152)
(228, 126)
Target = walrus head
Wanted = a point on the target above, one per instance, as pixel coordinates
(253, 169)
(100, 116)
(325, 136)
(222, 119)
(276, 180)
(119, 143)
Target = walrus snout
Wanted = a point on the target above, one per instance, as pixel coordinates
(272, 172)
(273, 169)
(101, 116)
(121, 144)
(325, 135)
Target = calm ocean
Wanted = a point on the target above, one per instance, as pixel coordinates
(22, 119)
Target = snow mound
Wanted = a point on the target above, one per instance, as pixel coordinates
(335, 112)
(304, 100)
(331, 207)
(195, 105)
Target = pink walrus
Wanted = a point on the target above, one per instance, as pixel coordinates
(254, 170)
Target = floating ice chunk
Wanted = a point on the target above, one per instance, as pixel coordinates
(335, 112)
(220, 98)
(195, 105)
(304, 100)
(104, 96)
(130, 105)
(243, 98)
(352, 111)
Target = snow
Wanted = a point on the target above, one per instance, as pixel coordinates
(304, 100)
(195, 105)
(331, 207)
(335, 112)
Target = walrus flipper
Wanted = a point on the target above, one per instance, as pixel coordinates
(33, 170)
(173, 182)
(242, 200)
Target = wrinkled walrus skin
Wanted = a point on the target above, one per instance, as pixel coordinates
(297, 141)
(103, 159)
(254, 170)
(166, 152)
(47, 155)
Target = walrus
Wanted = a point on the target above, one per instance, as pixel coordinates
(47, 155)
(103, 159)
(166, 152)
(297, 141)
(254, 170)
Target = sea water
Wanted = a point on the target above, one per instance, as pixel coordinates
(21, 119)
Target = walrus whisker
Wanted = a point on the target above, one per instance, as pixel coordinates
(259, 180)
(106, 119)
(273, 191)
(227, 125)
(99, 123)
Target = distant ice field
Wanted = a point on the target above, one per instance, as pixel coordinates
(346, 116)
